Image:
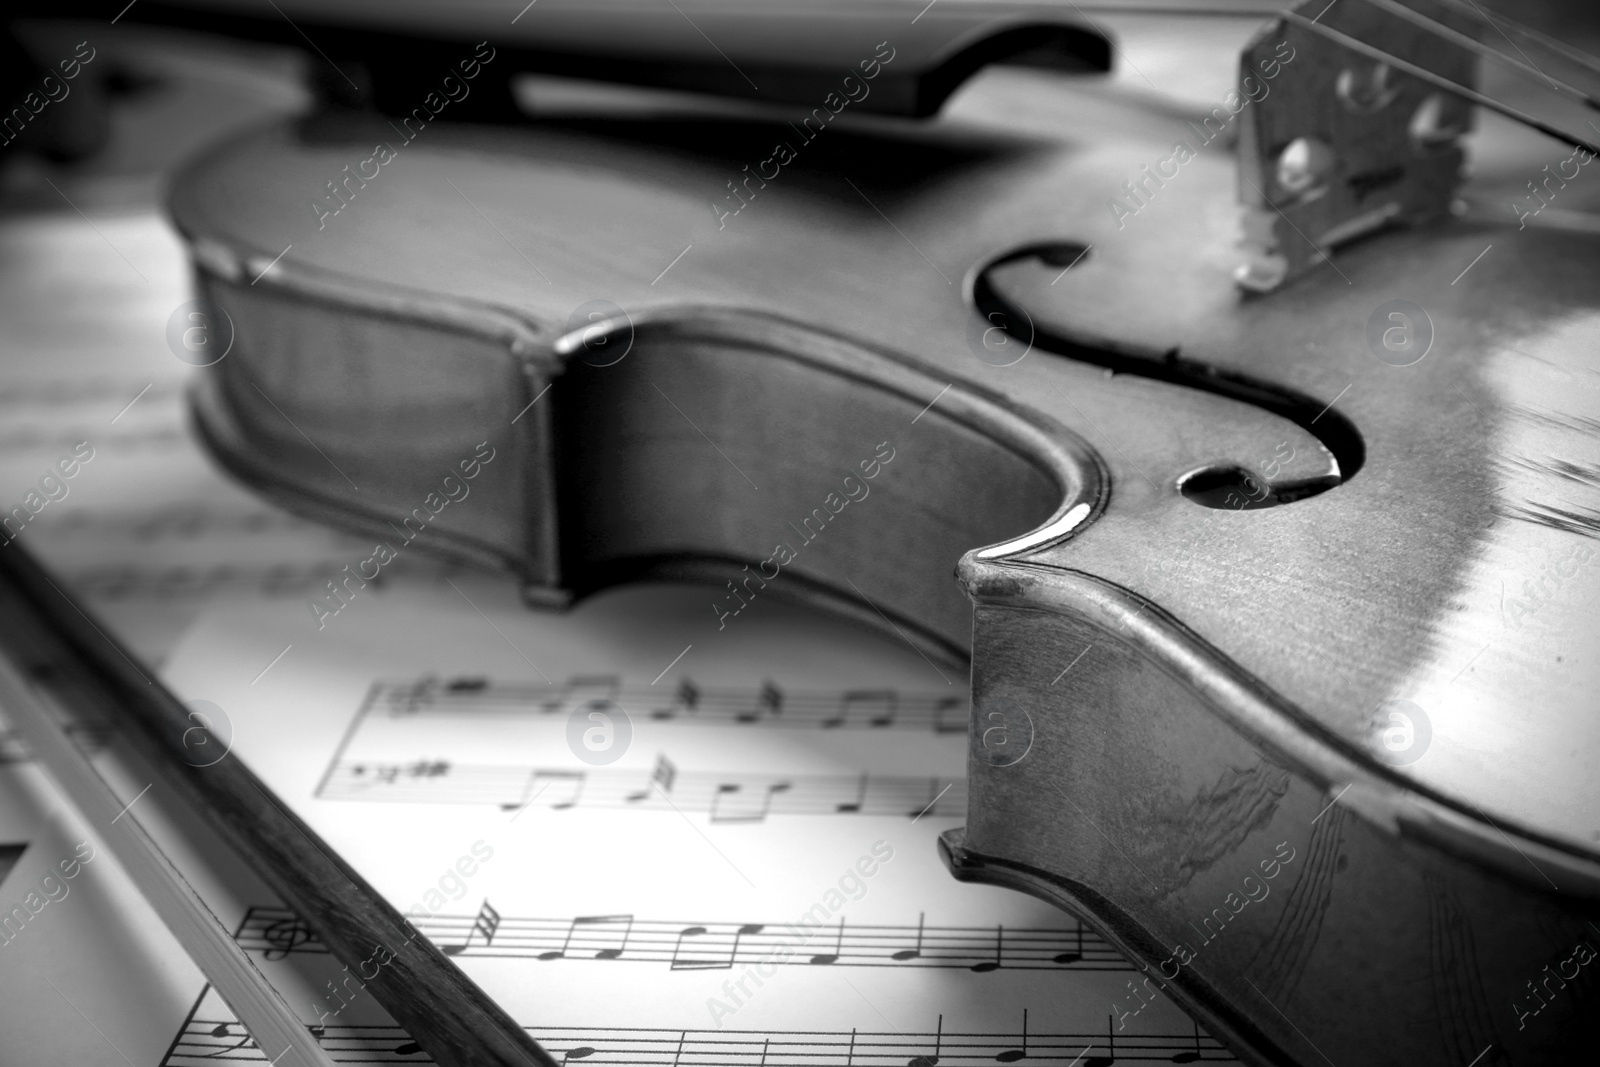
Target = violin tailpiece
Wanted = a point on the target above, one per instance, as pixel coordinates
(1339, 143)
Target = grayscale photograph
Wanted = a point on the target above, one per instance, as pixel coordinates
(799, 533)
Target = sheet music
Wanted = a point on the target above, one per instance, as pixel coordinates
(685, 945)
(211, 1034)
(753, 875)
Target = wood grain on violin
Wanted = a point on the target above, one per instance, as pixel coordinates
(1326, 769)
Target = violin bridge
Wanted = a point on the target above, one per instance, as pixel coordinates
(1342, 143)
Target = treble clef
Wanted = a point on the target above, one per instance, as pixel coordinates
(287, 935)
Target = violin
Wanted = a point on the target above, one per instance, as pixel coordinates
(1272, 524)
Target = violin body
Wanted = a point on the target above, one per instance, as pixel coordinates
(1182, 724)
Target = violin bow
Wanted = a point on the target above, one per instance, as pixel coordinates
(53, 652)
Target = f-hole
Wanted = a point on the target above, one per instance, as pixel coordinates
(1213, 485)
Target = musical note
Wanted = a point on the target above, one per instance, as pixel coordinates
(664, 774)
(587, 688)
(769, 704)
(993, 965)
(1111, 1049)
(662, 777)
(1071, 957)
(711, 961)
(410, 700)
(838, 949)
(912, 953)
(938, 1043)
(1190, 1057)
(729, 797)
(202, 1039)
(680, 964)
(686, 698)
(1012, 1055)
(623, 936)
(861, 797)
(568, 786)
(724, 809)
(223, 1030)
(487, 924)
(285, 936)
(597, 923)
(873, 707)
(579, 689)
(570, 789)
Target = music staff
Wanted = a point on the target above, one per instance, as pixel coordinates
(203, 1040)
(116, 580)
(727, 798)
(684, 946)
(66, 392)
(179, 520)
(56, 436)
(766, 704)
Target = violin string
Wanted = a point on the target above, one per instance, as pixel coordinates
(1501, 23)
(1509, 26)
(1473, 44)
(1516, 114)
(1431, 25)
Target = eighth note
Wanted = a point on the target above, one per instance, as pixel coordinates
(938, 1042)
(1012, 1055)
(838, 948)
(603, 927)
(999, 950)
(1071, 957)
(1111, 1049)
(913, 953)
(1190, 1057)
(854, 806)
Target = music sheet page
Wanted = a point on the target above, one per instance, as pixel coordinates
(653, 838)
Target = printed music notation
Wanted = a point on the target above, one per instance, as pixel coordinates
(53, 436)
(766, 704)
(687, 946)
(179, 521)
(114, 581)
(205, 1040)
(484, 925)
(727, 798)
(65, 391)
